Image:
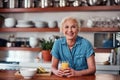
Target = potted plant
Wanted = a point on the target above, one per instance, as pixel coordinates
(46, 46)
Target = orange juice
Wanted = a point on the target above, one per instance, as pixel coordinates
(64, 65)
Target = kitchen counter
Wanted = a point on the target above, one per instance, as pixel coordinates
(107, 69)
(100, 68)
(10, 75)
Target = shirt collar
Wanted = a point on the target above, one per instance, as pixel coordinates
(78, 40)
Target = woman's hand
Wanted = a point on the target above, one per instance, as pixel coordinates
(65, 73)
(69, 72)
(59, 73)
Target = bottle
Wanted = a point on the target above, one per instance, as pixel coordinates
(118, 56)
(20, 3)
(25, 3)
(5, 3)
(62, 3)
(1, 4)
(42, 3)
(29, 3)
(9, 44)
(12, 40)
(112, 57)
(11, 3)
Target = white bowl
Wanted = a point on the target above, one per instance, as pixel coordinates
(40, 24)
(10, 22)
(24, 22)
(24, 26)
(52, 24)
(28, 73)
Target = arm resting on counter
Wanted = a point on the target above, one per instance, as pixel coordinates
(91, 67)
(55, 69)
(71, 72)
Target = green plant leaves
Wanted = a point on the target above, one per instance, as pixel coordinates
(46, 44)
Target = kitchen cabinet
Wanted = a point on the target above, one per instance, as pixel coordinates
(57, 9)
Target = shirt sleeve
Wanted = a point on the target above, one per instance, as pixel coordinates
(89, 50)
(55, 49)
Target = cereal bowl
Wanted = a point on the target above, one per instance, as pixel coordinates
(28, 73)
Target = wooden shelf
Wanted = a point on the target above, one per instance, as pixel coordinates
(97, 50)
(100, 29)
(84, 29)
(20, 48)
(103, 50)
(29, 29)
(61, 9)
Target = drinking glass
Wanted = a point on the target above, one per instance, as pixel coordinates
(64, 65)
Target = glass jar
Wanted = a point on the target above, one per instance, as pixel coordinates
(62, 3)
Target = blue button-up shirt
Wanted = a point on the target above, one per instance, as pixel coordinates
(77, 57)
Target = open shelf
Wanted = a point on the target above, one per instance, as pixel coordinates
(97, 50)
(61, 9)
(103, 50)
(100, 29)
(58, 9)
(20, 48)
(84, 29)
(29, 29)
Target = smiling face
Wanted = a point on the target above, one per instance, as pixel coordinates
(70, 28)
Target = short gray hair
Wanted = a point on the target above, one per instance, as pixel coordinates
(69, 18)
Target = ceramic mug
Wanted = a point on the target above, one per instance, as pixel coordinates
(40, 24)
(33, 42)
(9, 44)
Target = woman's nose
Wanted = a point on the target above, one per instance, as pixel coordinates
(70, 29)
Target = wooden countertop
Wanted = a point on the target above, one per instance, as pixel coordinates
(10, 75)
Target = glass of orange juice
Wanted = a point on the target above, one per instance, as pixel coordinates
(64, 65)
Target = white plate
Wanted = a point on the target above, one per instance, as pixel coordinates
(24, 26)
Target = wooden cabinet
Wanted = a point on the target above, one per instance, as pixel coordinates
(57, 9)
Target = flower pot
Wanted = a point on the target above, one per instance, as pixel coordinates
(46, 56)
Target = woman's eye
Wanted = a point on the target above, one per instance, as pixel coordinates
(66, 26)
(73, 26)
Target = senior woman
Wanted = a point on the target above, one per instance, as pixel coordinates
(76, 50)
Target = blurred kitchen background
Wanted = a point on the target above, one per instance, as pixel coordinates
(87, 19)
